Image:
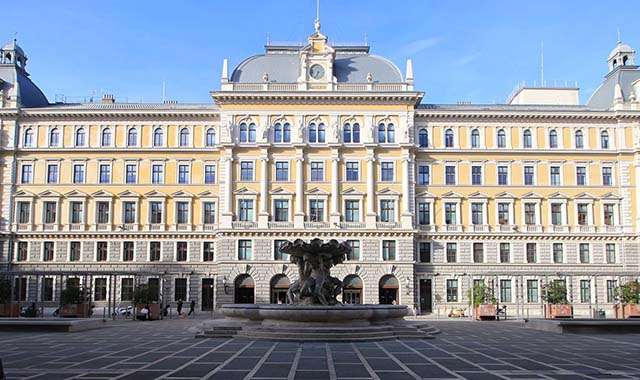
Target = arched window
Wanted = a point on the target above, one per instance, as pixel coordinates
(313, 133)
(356, 133)
(579, 139)
(184, 137)
(502, 139)
(132, 137)
(526, 139)
(391, 133)
(279, 287)
(286, 136)
(604, 139)
(244, 289)
(321, 133)
(382, 135)
(54, 137)
(244, 132)
(211, 137)
(553, 139)
(158, 137)
(448, 138)
(352, 290)
(80, 137)
(388, 290)
(252, 132)
(423, 138)
(106, 137)
(28, 137)
(475, 138)
(346, 133)
(277, 133)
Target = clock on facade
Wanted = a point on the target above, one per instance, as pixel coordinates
(316, 71)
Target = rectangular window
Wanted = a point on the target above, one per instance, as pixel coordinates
(75, 251)
(452, 252)
(281, 210)
(423, 175)
(103, 209)
(180, 289)
(452, 290)
(503, 175)
(424, 213)
(387, 210)
(52, 173)
(127, 251)
(505, 252)
(556, 214)
(23, 251)
(129, 216)
(244, 250)
(156, 212)
(531, 253)
(386, 171)
(246, 210)
(607, 209)
(105, 173)
(388, 250)
(101, 251)
(353, 171)
(209, 213)
(47, 289)
(20, 289)
(182, 212)
(316, 210)
(277, 254)
(209, 174)
(78, 173)
(583, 214)
(352, 211)
(532, 291)
(246, 171)
(505, 290)
(282, 171)
(610, 253)
(126, 289)
(554, 176)
(450, 213)
(584, 253)
(476, 213)
(606, 177)
(181, 251)
(355, 250)
(450, 175)
(77, 214)
(208, 251)
(557, 253)
(529, 175)
(50, 212)
(131, 173)
(154, 251)
(612, 285)
(27, 174)
(157, 174)
(184, 176)
(424, 251)
(100, 289)
(503, 213)
(476, 175)
(48, 251)
(530, 214)
(581, 175)
(478, 252)
(585, 291)
(24, 212)
(317, 171)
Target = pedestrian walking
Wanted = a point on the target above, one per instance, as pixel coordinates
(192, 307)
(179, 307)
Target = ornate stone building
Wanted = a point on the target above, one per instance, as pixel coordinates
(331, 142)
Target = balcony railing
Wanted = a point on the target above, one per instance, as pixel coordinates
(611, 229)
(316, 225)
(427, 227)
(558, 228)
(506, 228)
(24, 227)
(103, 227)
(532, 228)
(478, 228)
(156, 227)
(387, 225)
(353, 225)
(585, 229)
(76, 227)
(453, 227)
(280, 225)
(244, 225)
(208, 227)
(182, 227)
(288, 87)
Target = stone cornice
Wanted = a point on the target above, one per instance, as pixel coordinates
(118, 114)
(317, 97)
(517, 115)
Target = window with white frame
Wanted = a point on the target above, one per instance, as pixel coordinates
(553, 138)
(501, 139)
(156, 209)
(75, 251)
(52, 173)
(23, 215)
(610, 253)
(531, 253)
(388, 250)
(451, 252)
(282, 133)
(505, 253)
(184, 137)
(157, 174)
(351, 133)
(26, 176)
(475, 138)
(352, 210)
(608, 210)
(476, 175)
(424, 213)
(245, 210)
(529, 175)
(208, 251)
(424, 252)
(182, 212)
(50, 212)
(316, 210)
(103, 212)
(246, 170)
(477, 211)
(556, 214)
(450, 213)
(607, 176)
(317, 171)
(530, 213)
(129, 212)
(355, 250)
(557, 253)
(352, 171)
(127, 250)
(554, 176)
(210, 137)
(386, 171)
(158, 137)
(503, 175)
(423, 174)
(132, 137)
(105, 173)
(281, 210)
(101, 250)
(131, 173)
(181, 251)
(209, 174)
(247, 132)
(581, 175)
(154, 251)
(423, 138)
(317, 133)
(78, 173)
(48, 251)
(184, 176)
(29, 138)
(77, 212)
(579, 137)
(583, 213)
(527, 139)
(80, 138)
(503, 213)
(105, 138)
(54, 137)
(282, 171)
(448, 138)
(478, 252)
(245, 250)
(387, 210)
(584, 253)
(209, 213)
(450, 175)
(604, 140)
(386, 133)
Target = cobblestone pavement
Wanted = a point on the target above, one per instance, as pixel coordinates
(464, 350)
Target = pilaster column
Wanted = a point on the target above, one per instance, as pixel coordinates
(263, 215)
(227, 212)
(298, 217)
(407, 217)
(334, 217)
(370, 217)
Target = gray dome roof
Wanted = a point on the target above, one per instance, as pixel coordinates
(285, 68)
(603, 96)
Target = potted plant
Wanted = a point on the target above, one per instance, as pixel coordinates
(74, 303)
(484, 302)
(629, 296)
(554, 295)
(142, 297)
(7, 309)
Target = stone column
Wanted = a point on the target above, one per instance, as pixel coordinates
(335, 215)
(298, 217)
(370, 217)
(263, 215)
(227, 212)
(407, 217)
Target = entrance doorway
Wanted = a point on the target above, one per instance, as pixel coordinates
(279, 287)
(426, 304)
(388, 290)
(244, 289)
(207, 294)
(352, 290)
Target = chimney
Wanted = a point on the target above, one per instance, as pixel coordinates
(108, 99)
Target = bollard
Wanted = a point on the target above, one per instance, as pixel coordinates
(104, 313)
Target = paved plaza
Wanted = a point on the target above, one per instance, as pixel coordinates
(464, 350)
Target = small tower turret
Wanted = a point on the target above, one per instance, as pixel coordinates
(621, 55)
(11, 53)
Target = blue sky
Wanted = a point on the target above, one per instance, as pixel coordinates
(475, 51)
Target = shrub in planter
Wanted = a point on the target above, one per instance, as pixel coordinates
(554, 295)
(142, 296)
(74, 303)
(484, 302)
(629, 295)
(6, 308)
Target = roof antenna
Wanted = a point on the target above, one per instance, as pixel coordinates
(541, 63)
(619, 39)
(316, 24)
(366, 40)
(268, 39)
(164, 91)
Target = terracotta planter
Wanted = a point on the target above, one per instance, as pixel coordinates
(484, 312)
(9, 310)
(626, 311)
(79, 310)
(154, 311)
(558, 311)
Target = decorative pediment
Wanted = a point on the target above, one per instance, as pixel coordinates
(425, 194)
(478, 194)
(129, 194)
(316, 191)
(505, 194)
(388, 191)
(207, 194)
(102, 194)
(245, 191)
(155, 194)
(24, 193)
(451, 194)
(181, 194)
(611, 196)
(281, 191)
(352, 191)
(49, 194)
(558, 195)
(75, 194)
(532, 195)
(585, 196)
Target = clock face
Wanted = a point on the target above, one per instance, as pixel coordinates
(316, 71)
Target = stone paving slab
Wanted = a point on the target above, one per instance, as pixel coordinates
(464, 350)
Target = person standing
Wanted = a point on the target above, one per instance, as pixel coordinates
(192, 307)
(179, 307)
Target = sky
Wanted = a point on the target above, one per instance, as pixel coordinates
(470, 51)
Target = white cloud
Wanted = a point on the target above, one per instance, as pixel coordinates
(418, 46)
(465, 60)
